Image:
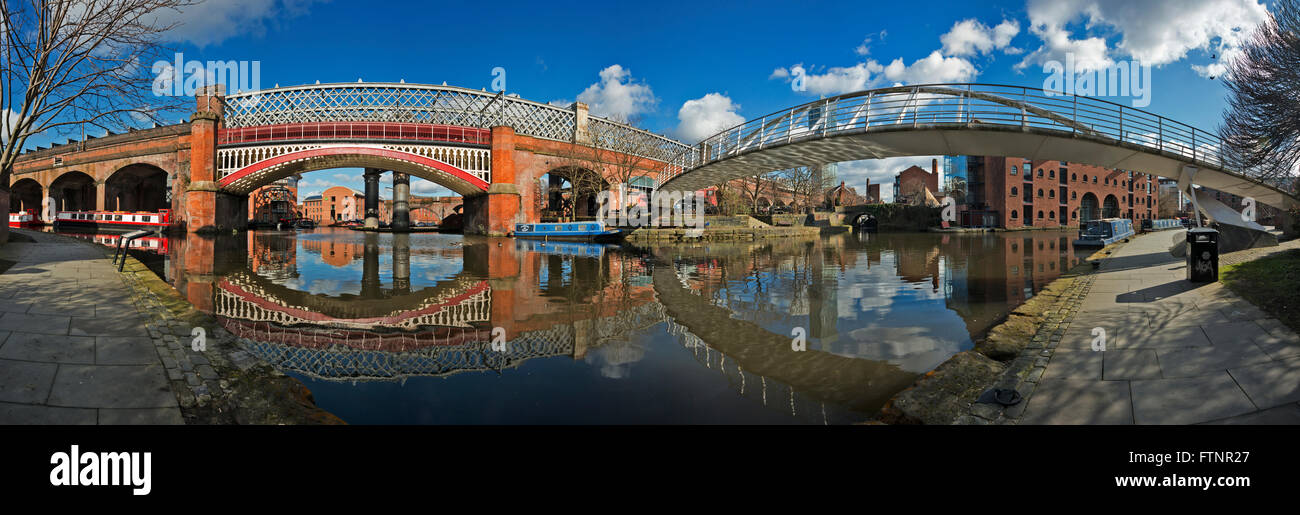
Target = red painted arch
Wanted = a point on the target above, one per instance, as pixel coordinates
(353, 151)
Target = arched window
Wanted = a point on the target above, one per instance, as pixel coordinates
(1051, 174)
(1040, 194)
(1051, 193)
(1013, 169)
(1085, 177)
(1040, 214)
(1051, 214)
(1074, 177)
(1014, 215)
(1074, 214)
(1013, 192)
(1094, 179)
(1040, 172)
(1074, 195)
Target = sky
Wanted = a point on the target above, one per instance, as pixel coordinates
(690, 69)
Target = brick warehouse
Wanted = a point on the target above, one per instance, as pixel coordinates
(1013, 193)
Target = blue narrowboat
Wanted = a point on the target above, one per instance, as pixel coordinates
(568, 231)
(1099, 233)
(1149, 225)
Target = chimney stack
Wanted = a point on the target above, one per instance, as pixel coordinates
(934, 166)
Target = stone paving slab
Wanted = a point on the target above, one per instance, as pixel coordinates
(1288, 414)
(126, 325)
(132, 386)
(43, 324)
(1269, 384)
(49, 348)
(1188, 400)
(36, 414)
(124, 350)
(1199, 361)
(25, 381)
(140, 416)
(1130, 364)
(1079, 401)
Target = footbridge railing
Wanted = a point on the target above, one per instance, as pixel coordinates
(966, 105)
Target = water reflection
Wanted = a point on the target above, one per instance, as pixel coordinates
(400, 328)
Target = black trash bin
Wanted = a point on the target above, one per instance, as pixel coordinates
(1202, 255)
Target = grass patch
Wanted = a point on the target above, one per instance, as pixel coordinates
(1272, 283)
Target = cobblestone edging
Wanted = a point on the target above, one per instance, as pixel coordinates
(193, 378)
(1023, 373)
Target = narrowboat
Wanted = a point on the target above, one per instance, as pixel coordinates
(113, 221)
(26, 218)
(568, 231)
(1099, 233)
(1149, 225)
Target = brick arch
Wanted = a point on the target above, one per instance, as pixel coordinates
(138, 186)
(24, 194)
(270, 170)
(74, 190)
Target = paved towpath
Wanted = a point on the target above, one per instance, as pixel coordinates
(73, 347)
(1176, 352)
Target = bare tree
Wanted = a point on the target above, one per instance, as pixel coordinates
(752, 188)
(1261, 129)
(621, 154)
(70, 65)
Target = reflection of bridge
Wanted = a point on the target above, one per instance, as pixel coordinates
(462, 302)
(966, 119)
(398, 356)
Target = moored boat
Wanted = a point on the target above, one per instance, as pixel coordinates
(27, 218)
(568, 231)
(1099, 233)
(113, 221)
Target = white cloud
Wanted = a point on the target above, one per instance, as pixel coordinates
(428, 188)
(934, 68)
(706, 116)
(1088, 53)
(617, 95)
(1153, 32)
(970, 37)
(214, 21)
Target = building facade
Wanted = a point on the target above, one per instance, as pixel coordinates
(274, 202)
(1012, 193)
(914, 181)
(338, 204)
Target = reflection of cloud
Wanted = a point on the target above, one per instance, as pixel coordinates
(615, 358)
(916, 349)
(326, 286)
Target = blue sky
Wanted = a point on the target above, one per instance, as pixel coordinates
(688, 68)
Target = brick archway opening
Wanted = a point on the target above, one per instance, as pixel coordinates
(73, 191)
(25, 194)
(136, 187)
(569, 192)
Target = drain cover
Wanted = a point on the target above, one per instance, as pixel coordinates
(1002, 396)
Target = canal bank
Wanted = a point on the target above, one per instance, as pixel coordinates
(119, 348)
(1132, 342)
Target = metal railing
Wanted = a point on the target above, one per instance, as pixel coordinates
(969, 105)
(429, 104)
(354, 131)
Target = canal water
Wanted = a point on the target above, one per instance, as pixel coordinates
(449, 329)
